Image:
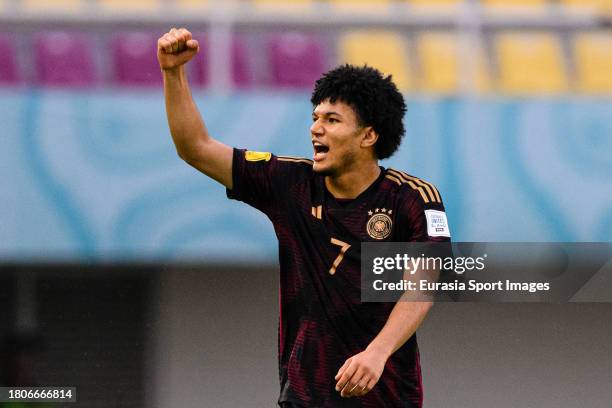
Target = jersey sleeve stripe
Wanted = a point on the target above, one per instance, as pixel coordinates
(423, 194)
(426, 197)
(435, 190)
(294, 159)
(421, 183)
(390, 177)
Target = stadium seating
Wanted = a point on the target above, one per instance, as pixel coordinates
(64, 59)
(522, 62)
(283, 4)
(361, 5)
(53, 6)
(515, 3)
(130, 5)
(593, 57)
(134, 59)
(9, 73)
(603, 6)
(384, 50)
(296, 60)
(192, 4)
(242, 74)
(434, 3)
(530, 63)
(441, 64)
(360, 2)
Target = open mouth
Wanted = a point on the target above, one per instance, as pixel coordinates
(320, 150)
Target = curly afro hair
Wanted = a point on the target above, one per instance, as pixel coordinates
(375, 99)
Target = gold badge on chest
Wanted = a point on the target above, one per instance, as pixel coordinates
(380, 223)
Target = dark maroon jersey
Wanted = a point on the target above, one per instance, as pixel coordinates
(322, 320)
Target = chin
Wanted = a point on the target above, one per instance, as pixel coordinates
(321, 170)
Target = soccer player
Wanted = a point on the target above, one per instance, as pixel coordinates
(334, 351)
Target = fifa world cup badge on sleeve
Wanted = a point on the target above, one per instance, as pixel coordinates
(437, 224)
(257, 156)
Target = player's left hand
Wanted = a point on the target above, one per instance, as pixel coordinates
(360, 373)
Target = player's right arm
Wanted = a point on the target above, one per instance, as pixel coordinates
(189, 133)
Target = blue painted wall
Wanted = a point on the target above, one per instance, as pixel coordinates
(94, 176)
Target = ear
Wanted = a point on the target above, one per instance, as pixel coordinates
(369, 137)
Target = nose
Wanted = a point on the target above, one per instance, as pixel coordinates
(316, 128)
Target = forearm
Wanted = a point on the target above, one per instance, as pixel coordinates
(186, 125)
(403, 322)
(192, 141)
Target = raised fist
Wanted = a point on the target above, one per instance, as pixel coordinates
(176, 48)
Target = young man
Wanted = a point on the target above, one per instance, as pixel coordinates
(334, 351)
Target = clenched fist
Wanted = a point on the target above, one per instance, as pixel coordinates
(176, 48)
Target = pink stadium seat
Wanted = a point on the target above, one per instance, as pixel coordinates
(296, 60)
(135, 59)
(9, 73)
(242, 74)
(64, 59)
(241, 69)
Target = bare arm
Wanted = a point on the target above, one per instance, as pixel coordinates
(189, 133)
(403, 322)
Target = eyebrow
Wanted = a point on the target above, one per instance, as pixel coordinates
(326, 113)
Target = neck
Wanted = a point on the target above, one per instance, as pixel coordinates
(351, 183)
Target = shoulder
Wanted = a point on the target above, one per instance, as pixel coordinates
(259, 178)
(413, 188)
(298, 163)
(420, 206)
(284, 165)
(284, 170)
(296, 168)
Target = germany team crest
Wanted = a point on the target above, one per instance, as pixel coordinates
(379, 225)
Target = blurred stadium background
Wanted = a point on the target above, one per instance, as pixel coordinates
(129, 275)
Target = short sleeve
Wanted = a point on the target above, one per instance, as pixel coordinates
(262, 179)
(422, 221)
